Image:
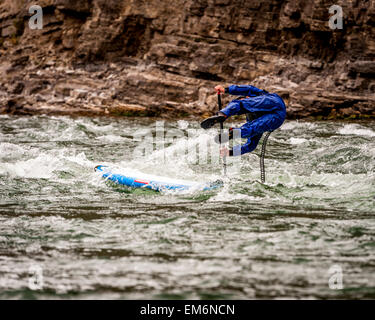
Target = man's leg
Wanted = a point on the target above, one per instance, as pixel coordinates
(254, 130)
(251, 144)
(233, 108)
(268, 122)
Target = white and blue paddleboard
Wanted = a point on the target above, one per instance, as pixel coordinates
(153, 182)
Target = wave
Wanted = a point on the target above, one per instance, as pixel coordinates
(357, 130)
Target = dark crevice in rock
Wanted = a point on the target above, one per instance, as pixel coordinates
(49, 10)
(82, 16)
(206, 76)
(135, 40)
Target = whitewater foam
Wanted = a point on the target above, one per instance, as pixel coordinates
(356, 129)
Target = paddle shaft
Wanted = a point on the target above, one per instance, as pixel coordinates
(221, 133)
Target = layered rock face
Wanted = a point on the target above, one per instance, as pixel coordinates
(163, 58)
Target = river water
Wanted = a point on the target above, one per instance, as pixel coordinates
(67, 233)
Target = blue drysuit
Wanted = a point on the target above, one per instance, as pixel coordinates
(268, 109)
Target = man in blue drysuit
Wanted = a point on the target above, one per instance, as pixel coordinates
(264, 112)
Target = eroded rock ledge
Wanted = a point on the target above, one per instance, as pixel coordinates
(162, 58)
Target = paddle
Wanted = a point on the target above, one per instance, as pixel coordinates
(221, 133)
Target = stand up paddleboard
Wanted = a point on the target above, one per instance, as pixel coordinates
(153, 182)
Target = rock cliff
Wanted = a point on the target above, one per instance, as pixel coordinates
(162, 58)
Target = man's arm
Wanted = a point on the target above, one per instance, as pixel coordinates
(245, 90)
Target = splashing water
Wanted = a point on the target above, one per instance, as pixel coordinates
(244, 240)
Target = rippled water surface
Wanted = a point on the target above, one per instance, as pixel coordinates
(283, 239)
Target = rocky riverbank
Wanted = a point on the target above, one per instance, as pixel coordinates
(162, 58)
